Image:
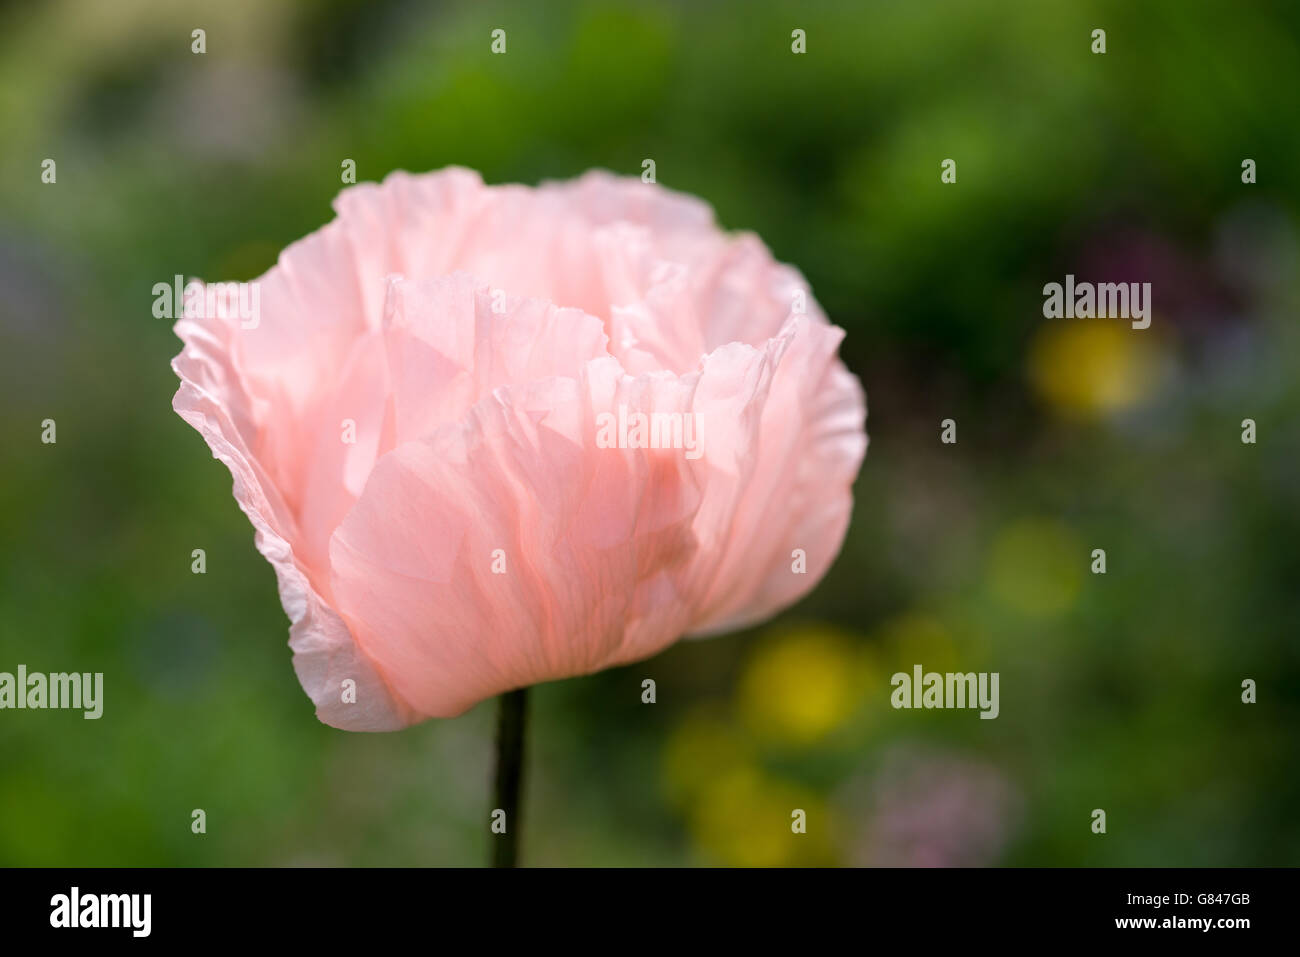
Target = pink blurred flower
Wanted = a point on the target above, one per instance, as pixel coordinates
(475, 536)
(937, 810)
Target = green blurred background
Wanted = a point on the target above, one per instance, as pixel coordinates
(1119, 691)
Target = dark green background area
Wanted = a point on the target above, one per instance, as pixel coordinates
(1119, 691)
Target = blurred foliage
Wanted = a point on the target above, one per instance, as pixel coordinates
(1119, 691)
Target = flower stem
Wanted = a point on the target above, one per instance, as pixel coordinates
(510, 773)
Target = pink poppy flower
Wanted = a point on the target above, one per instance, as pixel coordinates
(493, 436)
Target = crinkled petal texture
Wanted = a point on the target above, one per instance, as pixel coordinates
(491, 436)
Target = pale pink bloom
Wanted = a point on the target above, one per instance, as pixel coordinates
(477, 537)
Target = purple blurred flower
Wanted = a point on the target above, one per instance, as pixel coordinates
(934, 809)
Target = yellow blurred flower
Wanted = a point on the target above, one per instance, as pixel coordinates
(745, 819)
(703, 746)
(1036, 567)
(1089, 368)
(800, 685)
(916, 637)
